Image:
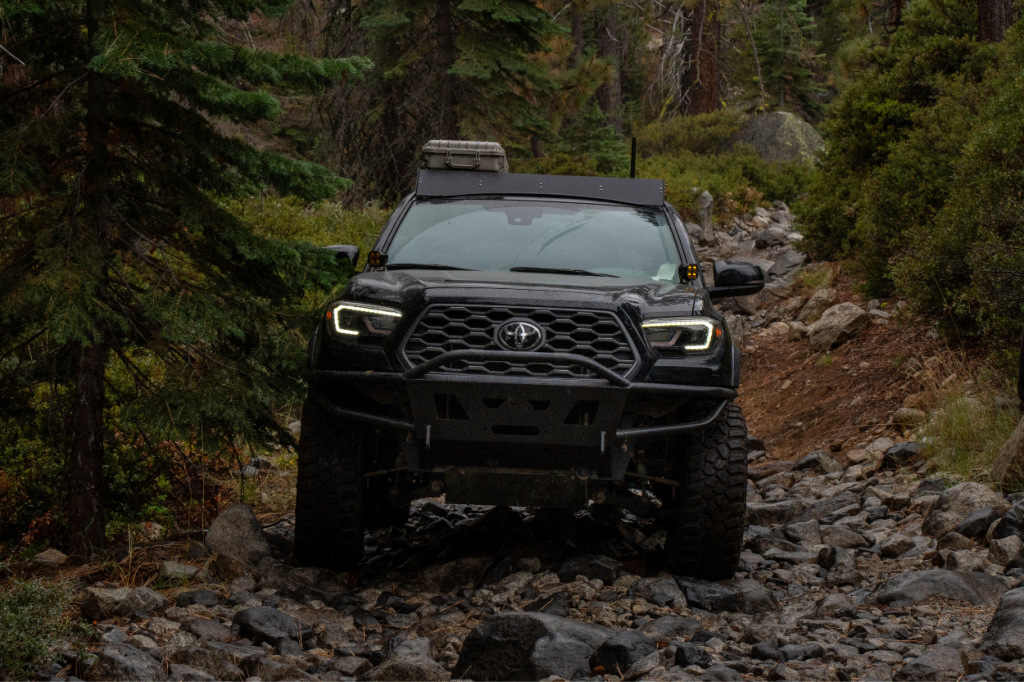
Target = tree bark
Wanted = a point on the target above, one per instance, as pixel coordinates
(85, 469)
(609, 95)
(536, 147)
(700, 79)
(447, 55)
(576, 21)
(994, 18)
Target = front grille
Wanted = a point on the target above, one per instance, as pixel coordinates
(595, 334)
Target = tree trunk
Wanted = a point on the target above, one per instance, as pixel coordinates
(447, 55)
(609, 95)
(994, 18)
(576, 21)
(85, 470)
(536, 147)
(700, 79)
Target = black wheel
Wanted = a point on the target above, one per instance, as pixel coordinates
(706, 535)
(330, 491)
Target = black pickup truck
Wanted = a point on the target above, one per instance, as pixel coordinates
(528, 340)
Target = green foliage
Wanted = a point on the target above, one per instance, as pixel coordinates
(787, 50)
(921, 182)
(703, 134)
(113, 245)
(32, 620)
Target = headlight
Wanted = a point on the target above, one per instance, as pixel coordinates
(688, 333)
(361, 322)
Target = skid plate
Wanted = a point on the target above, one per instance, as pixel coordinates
(515, 488)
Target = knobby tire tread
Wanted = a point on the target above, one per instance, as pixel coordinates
(707, 536)
(329, 491)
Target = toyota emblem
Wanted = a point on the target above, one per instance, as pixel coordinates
(517, 335)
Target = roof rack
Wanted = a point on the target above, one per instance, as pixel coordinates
(635, 192)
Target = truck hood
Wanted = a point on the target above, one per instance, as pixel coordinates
(411, 289)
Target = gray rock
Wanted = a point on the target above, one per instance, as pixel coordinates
(124, 662)
(529, 646)
(837, 325)
(830, 605)
(773, 236)
(895, 545)
(766, 651)
(101, 603)
(918, 586)
(590, 566)
(51, 557)
(807, 533)
(817, 304)
(781, 136)
(667, 628)
(828, 507)
(410, 661)
(787, 263)
(954, 541)
(209, 630)
(978, 522)
(802, 652)
(185, 673)
(773, 513)
(742, 596)
(899, 455)
(798, 331)
(350, 666)
(267, 624)
(660, 591)
(936, 663)
(177, 571)
(965, 560)
(1010, 460)
(622, 651)
(1008, 551)
(844, 574)
(236, 533)
(957, 503)
(689, 654)
(830, 557)
(1005, 635)
(722, 673)
(838, 536)
(819, 461)
(202, 597)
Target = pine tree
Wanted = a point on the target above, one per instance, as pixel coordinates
(786, 47)
(444, 69)
(125, 286)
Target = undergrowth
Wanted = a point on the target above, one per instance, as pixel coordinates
(33, 624)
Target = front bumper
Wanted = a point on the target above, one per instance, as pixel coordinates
(586, 413)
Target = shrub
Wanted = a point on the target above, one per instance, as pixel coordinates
(33, 624)
(700, 134)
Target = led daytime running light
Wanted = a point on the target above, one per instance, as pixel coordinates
(683, 322)
(364, 309)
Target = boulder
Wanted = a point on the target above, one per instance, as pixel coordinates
(839, 536)
(825, 508)
(1008, 552)
(124, 662)
(411, 660)
(693, 654)
(965, 560)
(179, 572)
(798, 331)
(667, 628)
(957, 503)
(830, 605)
(899, 455)
(908, 416)
(978, 522)
(764, 471)
(936, 663)
(773, 236)
(895, 545)
(529, 646)
(806, 532)
(837, 325)
(1008, 467)
(660, 591)
(953, 541)
(203, 597)
(781, 136)
(918, 586)
(817, 304)
(766, 651)
(590, 566)
(186, 673)
(1005, 635)
(819, 461)
(236, 533)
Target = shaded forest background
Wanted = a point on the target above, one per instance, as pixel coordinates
(314, 117)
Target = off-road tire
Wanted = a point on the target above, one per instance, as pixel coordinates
(706, 533)
(329, 492)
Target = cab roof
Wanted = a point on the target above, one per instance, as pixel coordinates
(632, 191)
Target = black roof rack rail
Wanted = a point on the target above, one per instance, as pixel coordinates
(635, 192)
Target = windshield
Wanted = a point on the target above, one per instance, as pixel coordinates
(502, 234)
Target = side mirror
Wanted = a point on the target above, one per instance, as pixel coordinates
(345, 252)
(736, 278)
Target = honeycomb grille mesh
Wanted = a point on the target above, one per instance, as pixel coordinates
(595, 334)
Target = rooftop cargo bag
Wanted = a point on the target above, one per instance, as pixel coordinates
(483, 157)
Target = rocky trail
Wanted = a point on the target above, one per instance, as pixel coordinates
(856, 566)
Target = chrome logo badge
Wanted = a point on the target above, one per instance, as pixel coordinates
(519, 336)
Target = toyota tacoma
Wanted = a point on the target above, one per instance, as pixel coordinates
(527, 340)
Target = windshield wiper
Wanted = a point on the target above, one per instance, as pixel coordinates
(560, 271)
(422, 266)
